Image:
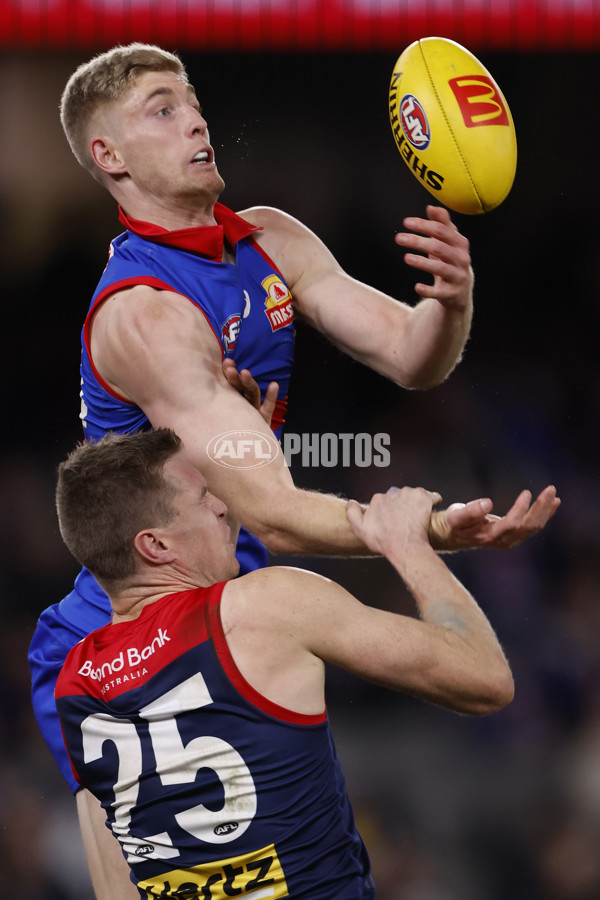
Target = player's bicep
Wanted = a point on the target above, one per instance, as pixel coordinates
(155, 348)
(379, 646)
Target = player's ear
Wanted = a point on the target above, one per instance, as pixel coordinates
(106, 156)
(153, 547)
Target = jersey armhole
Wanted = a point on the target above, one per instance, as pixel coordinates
(113, 289)
(217, 635)
(267, 258)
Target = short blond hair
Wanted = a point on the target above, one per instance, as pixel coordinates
(104, 79)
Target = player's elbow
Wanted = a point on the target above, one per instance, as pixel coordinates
(493, 692)
(423, 379)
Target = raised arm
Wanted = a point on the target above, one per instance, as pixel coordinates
(415, 346)
(449, 656)
(156, 349)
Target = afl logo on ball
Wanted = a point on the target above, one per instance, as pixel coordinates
(415, 124)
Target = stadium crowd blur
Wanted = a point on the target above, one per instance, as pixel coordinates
(500, 808)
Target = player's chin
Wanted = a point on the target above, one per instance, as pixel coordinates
(233, 567)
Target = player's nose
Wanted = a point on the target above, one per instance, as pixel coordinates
(195, 123)
(219, 508)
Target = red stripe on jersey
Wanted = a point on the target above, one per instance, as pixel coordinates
(266, 256)
(215, 627)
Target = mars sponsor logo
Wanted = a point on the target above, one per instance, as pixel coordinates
(230, 331)
(434, 180)
(414, 122)
(129, 658)
(279, 310)
(243, 449)
(479, 101)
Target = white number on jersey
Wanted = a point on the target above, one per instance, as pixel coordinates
(176, 763)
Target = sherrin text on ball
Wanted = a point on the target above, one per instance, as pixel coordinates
(452, 125)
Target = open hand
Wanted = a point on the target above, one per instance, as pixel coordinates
(447, 257)
(463, 526)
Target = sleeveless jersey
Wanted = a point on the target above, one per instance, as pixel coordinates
(249, 309)
(212, 790)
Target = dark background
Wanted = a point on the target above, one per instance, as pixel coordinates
(451, 808)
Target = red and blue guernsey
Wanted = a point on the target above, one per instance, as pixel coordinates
(212, 790)
(249, 309)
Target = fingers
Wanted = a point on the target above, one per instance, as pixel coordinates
(438, 226)
(250, 388)
(439, 249)
(268, 405)
(542, 509)
(472, 525)
(433, 495)
(244, 384)
(465, 515)
(524, 519)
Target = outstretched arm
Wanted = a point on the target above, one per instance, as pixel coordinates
(459, 658)
(156, 349)
(415, 346)
(449, 656)
(462, 526)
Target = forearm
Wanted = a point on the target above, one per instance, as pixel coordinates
(291, 521)
(469, 669)
(434, 342)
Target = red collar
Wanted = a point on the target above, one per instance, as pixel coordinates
(206, 240)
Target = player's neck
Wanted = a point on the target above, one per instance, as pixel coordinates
(174, 215)
(128, 602)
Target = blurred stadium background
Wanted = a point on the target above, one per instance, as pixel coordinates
(295, 92)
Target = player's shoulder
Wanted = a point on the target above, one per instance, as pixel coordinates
(279, 599)
(271, 218)
(291, 244)
(145, 305)
(280, 585)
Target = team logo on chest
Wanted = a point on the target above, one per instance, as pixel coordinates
(230, 331)
(278, 305)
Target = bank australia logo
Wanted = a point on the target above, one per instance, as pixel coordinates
(243, 449)
(230, 331)
(278, 305)
(479, 101)
(414, 122)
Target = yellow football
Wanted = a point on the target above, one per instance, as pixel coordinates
(452, 125)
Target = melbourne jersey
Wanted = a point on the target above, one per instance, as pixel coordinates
(249, 309)
(212, 790)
